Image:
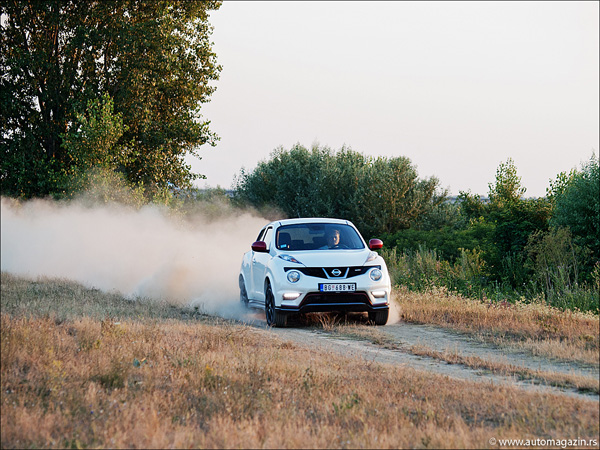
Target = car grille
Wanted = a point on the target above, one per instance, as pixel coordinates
(333, 272)
(346, 297)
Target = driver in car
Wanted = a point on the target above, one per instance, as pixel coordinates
(333, 239)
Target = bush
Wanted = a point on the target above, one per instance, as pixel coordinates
(422, 270)
(448, 242)
(555, 260)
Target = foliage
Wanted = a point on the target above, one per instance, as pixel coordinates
(73, 71)
(448, 242)
(443, 214)
(94, 142)
(514, 223)
(577, 206)
(559, 185)
(556, 263)
(101, 186)
(378, 195)
(513, 219)
(507, 239)
(472, 206)
(423, 269)
(92, 146)
(507, 188)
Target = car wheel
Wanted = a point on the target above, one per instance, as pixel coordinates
(379, 317)
(274, 317)
(243, 292)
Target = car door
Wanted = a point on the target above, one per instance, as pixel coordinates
(260, 260)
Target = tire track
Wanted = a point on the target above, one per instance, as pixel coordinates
(438, 339)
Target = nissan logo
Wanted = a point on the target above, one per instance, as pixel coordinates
(336, 272)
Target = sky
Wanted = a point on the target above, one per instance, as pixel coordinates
(457, 87)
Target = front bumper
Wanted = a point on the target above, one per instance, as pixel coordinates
(307, 295)
(333, 302)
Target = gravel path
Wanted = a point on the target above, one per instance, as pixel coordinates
(405, 335)
(442, 339)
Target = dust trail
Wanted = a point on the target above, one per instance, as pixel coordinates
(394, 310)
(140, 253)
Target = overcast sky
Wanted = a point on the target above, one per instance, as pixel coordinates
(457, 87)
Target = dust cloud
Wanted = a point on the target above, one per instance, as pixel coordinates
(141, 253)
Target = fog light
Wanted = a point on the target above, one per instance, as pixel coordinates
(378, 294)
(291, 295)
(293, 276)
(375, 274)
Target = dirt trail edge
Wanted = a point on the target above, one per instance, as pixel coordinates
(405, 335)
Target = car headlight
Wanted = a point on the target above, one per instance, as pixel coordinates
(293, 276)
(289, 258)
(375, 274)
(371, 257)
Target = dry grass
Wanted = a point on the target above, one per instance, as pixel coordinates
(65, 300)
(174, 384)
(535, 327)
(577, 382)
(160, 381)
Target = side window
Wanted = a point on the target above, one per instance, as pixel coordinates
(260, 235)
(267, 237)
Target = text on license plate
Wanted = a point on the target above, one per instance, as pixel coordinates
(337, 287)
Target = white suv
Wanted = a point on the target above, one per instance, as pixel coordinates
(314, 265)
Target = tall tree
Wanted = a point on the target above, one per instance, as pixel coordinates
(144, 66)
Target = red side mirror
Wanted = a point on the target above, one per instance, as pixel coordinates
(375, 244)
(259, 246)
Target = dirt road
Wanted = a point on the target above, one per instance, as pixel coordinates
(404, 337)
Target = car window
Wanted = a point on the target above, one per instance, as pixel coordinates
(317, 236)
(267, 236)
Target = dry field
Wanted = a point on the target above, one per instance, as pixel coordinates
(537, 328)
(81, 368)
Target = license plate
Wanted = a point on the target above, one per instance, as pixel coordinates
(337, 287)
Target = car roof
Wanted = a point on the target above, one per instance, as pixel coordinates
(310, 220)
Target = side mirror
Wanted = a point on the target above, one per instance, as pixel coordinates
(259, 246)
(375, 244)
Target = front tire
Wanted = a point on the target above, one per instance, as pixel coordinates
(379, 317)
(274, 317)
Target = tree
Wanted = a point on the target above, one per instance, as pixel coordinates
(577, 206)
(510, 220)
(390, 195)
(507, 188)
(61, 59)
(93, 145)
(378, 195)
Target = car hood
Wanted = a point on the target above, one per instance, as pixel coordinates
(332, 258)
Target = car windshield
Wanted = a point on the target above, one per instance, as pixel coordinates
(318, 236)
